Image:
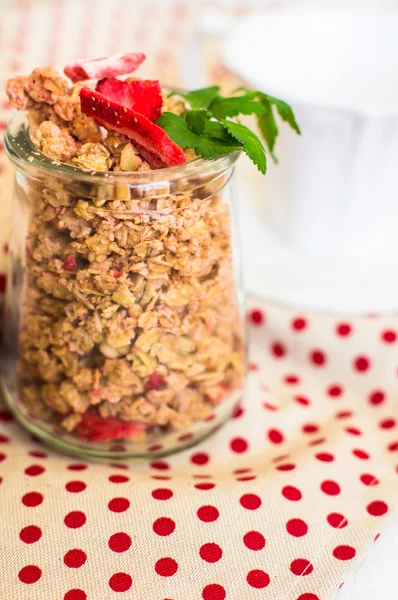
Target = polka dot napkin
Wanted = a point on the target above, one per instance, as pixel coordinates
(280, 504)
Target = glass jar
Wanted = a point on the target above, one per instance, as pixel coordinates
(123, 328)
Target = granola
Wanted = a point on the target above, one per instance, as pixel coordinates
(130, 322)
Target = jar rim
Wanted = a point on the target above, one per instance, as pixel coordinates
(28, 158)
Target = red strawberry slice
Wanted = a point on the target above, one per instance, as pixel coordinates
(110, 66)
(132, 124)
(152, 159)
(105, 429)
(144, 96)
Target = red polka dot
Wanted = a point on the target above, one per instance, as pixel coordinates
(278, 350)
(299, 323)
(291, 493)
(75, 594)
(377, 508)
(185, 437)
(291, 379)
(310, 428)
(331, 488)
(344, 414)
(377, 397)
(38, 454)
(334, 391)
(162, 494)
(256, 317)
(205, 486)
(2, 456)
(34, 470)
(166, 567)
(368, 479)
(75, 486)
(75, 558)
(164, 526)
(343, 329)
(324, 457)
(77, 467)
(200, 458)
(318, 358)
(161, 477)
(30, 534)
(308, 597)
(210, 552)
(119, 505)
(32, 499)
(297, 527)
(337, 520)
(161, 465)
(387, 423)
(254, 540)
(393, 447)
(361, 364)
(214, 592)
(239, 445)
(120, 582)
(250, 501)
(119, 542)
(270, 407)
(4, 439)
(302, 400)
(258, 579)
(286, 467)
(388, 336)
(344, 552)
(360, 454)
(239, 412)
(29, 574)
(208, 513)
(353, 430)
(155, 447)
(119, 478)
(75, 519)
(317, 442)
(301, 567)
(275, 436)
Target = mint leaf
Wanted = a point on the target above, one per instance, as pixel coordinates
(251, 144)
(267, 125)
(204, 145)
(232, 107)
(285, 113)
(196, 120)
(177, 129)
(200, 98)
(215, 129)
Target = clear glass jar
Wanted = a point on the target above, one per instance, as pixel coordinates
(123, 328)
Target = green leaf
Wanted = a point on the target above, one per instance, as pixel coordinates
(177, 129)
(232, 107)
(215, 129)
(267, 125)
(196, 120)
(204, 145)
(252, 146)
(200, 98)
(285, 113)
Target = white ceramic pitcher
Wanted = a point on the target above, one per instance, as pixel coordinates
(329, 234)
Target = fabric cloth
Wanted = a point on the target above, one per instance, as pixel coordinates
(279, 504)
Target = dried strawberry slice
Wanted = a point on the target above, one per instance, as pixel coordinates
(152, 159)
(99, 429)
(70, 263)
(110, 66)
(155, 382)
(143, 96)
(132, 124)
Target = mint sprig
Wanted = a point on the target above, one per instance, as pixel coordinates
(208, 130)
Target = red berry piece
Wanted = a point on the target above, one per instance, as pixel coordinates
(143, 96)
(110, 66)
(70, 263)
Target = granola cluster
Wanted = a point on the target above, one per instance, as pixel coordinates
(130, 323)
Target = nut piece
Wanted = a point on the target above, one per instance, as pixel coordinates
(93, 157)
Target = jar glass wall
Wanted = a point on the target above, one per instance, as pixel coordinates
(123, 325)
